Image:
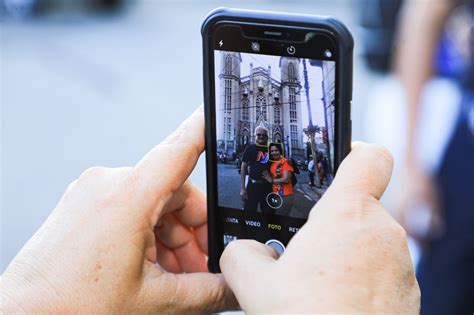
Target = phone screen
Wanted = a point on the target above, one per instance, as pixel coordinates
(275, 131)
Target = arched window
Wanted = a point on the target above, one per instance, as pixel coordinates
(291, 72)
(258, 110)
(261, 106)
(245, 137)
(292, 101)
(277, 137)
(293, 118)
(227, 95)
(294, 136)
(245, 109)
(227, 109)
(228, 64)
(276, 115)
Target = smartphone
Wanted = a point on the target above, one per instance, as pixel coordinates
(277, 93)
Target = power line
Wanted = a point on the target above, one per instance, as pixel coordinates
(258, 93)
(263, 105)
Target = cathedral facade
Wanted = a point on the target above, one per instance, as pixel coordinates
(244, 103)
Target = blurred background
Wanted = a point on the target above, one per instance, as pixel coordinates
(100, 82)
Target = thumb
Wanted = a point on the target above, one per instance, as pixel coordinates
(167, 166)
(242, 264)
(366, 170)
(360, 181)
(192, 293)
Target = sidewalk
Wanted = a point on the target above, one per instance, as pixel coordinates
(305, 195)
(314, 193)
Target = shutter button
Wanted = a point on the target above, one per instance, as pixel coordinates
(276, 245)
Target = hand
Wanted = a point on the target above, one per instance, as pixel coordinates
(119, 240)
(419, 210)
(267, 176)
(350, 257)
(243, 194)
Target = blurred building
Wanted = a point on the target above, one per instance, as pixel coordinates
(329, 88)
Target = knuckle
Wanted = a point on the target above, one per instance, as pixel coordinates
(108, 181)
(373, 151)
(93, 172)
(361, 207)
(394, 234)
(381, 152)
(71, 185)
(180, 135)
(398, 232)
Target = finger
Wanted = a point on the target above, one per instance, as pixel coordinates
(200, 233)
(242, 262)
(191, 258)
(366, 170)
(166, 167)
(181, 240)
(189, 204)
(172, 233)
(166, 258)
(187, 293)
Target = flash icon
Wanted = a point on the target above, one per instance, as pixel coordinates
(221, 43)
(255, 46)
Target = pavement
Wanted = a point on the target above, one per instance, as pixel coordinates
(305, 196)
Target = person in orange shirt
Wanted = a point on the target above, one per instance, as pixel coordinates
(280, 177)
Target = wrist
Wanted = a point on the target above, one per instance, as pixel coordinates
(27, 297)
(14, 299)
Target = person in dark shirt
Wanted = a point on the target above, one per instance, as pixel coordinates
(254, 163)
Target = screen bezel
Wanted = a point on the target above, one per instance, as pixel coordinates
(212, 175)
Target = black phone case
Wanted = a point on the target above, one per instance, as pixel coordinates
(344, 44)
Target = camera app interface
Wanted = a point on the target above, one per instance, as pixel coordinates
(275, 142)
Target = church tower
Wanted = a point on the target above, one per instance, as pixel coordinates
(291, 105)
(228, 100)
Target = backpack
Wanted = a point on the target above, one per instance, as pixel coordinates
(293, 163)
(294, 180)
